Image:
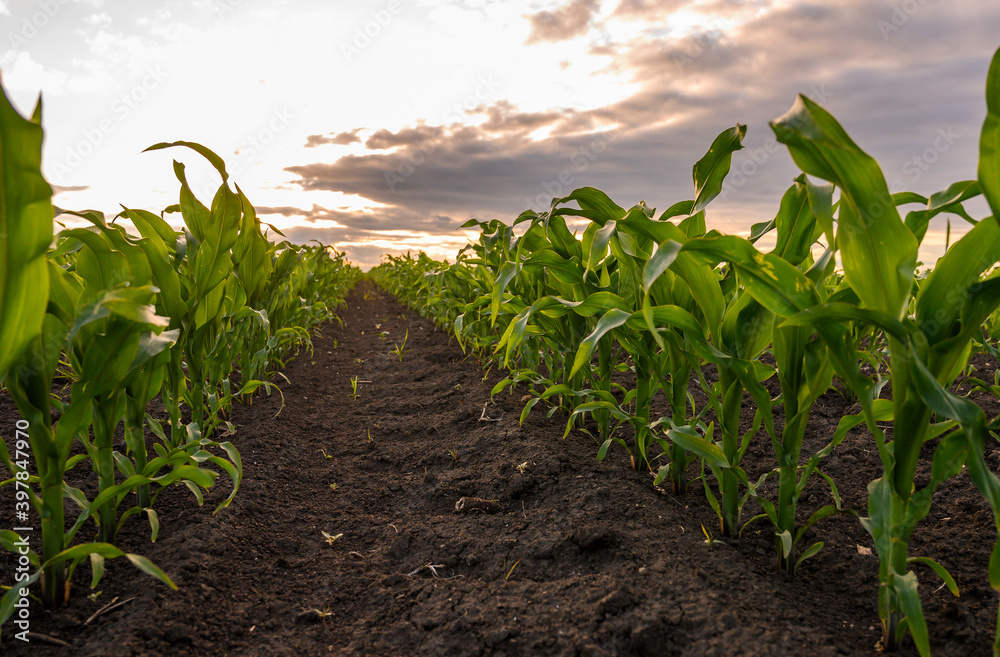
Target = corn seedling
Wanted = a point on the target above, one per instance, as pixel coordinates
(401, 349)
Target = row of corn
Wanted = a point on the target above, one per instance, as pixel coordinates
(97, 322)
(839, 296)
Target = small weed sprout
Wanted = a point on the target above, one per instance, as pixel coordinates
(330, 538)
(709, 540)
(329, 456)
(401, 348)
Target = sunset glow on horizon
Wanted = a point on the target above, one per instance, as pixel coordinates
(381, 127)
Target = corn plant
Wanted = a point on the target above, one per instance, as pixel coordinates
(37, 322)
(932, 346)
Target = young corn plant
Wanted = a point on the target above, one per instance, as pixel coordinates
(401, 349)
(39, 315)
(804, 366)
(928, 348)
(739, 328)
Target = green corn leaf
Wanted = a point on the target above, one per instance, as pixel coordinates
(547, 261)
(214, 263)
(128, 303)
(96, 569)
(152, 226)
(795, 223)
(786, 543)
(154, 524)
(939, 570)
(947, 200)
(989, 141)
(602, 451)
(562, 240)
(694, 226)
(25, 231)
(810, 551)
(746, 327)
(679, 209)
(665, 256)
(599, 245)
(139, 272)
(196, 215)
(100, 266)
(711, 170)
(844, 312)
(504, 277)
(14, 594)
(597, 205)
(152, 344)
(944, 402)
(214, 159)
(235, 474)
(816, 516)
(165, 278)
(821, 202)
(771, 280)
(148, 567)
(942, 298)
(702, 281)
(611, 320)
(909, 601)
(9, 541)
(689, 440)
(879, 253)
(527, 409)
(252, 253)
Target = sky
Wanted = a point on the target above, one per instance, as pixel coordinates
(382, 126)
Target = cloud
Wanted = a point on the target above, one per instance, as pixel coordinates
(744, 63)
(385, 139)
(22, 73)
(339, 139)
(568, 21)
(440, 176)
(646, 9)
(59, 189)
(102, 19)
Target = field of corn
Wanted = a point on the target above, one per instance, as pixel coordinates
(693, 362)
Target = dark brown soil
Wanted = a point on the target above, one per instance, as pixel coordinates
(585, 557)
